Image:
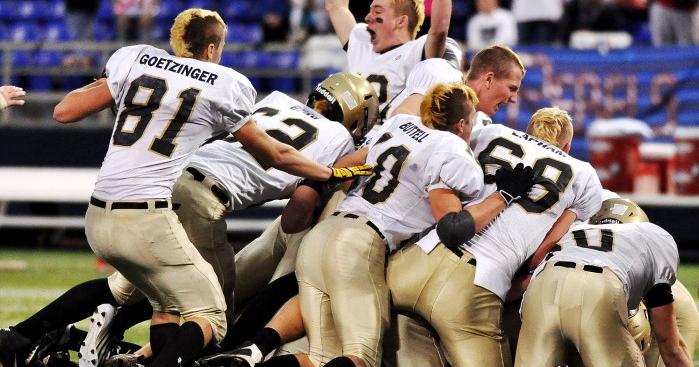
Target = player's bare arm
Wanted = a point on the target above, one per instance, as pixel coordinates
(439, 28)
(83, 102)
(298, 212)
(341, 18)
(279, 155)
(672, 347)
(557, 231)
(443, 201)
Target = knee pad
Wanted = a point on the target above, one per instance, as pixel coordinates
(216, 318)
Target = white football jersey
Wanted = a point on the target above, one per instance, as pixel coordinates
(640, 254)
(410, 160)
(425, 75)
(503, 246)
(480, 119)
(167, 107)
(287, 120)
(386, 71)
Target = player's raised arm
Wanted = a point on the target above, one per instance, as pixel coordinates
(341, 18)
(439, 28)
(83, 102)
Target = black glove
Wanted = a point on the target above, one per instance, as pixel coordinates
(349, 173)
(454, 229)
(514, 184)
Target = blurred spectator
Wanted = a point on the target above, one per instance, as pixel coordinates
(602, 15)
(135, 19)
(491, 25)
(275, 19)
(80, 18)
(308, 17)
(11, 96)
(672, 22)
(537, 20)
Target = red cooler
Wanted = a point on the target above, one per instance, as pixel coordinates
(614, 151)
(656, 171)
(687, 160)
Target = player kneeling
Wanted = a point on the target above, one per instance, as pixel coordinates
(582, 293)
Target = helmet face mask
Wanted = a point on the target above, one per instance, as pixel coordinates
(618, 210)
(354, 102)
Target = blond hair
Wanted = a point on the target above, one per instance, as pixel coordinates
(447, 103)
(415, 10)
(552, 125)
(194, 30)
(497, 58)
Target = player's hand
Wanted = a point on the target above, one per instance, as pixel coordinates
(514, 184)
(349, 173)
(11, 96)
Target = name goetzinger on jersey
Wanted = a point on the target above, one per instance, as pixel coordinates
(287, 120)
(386, 71)
(409, 161)
(565, 183)
(640, 254)
(167, 107)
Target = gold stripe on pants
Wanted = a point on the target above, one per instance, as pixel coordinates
(585, 308)
(342, 289)
(439, 287)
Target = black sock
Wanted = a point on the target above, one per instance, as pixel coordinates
(182, 349)
(260, 310)
(72, 306)
(130, 315)
(287, 360)
(340, 362)
(267, 340)
(162, 334)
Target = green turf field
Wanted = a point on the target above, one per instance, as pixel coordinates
(29, 279)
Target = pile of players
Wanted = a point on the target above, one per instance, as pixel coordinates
(413, 228)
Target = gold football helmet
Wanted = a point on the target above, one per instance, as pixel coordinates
(354, 101)
(639, 327)
(618, 210)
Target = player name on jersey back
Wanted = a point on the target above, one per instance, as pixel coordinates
(413, 131)
(179, 68)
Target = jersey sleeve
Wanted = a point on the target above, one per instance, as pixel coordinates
(343, 144)
(455, 169)
(588, 194)
(238, 111)
(357, 44)
(428, 73)
(118, 67)
(665, 255)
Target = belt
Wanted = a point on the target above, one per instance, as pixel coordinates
(218, 192)
(368, 222)
(160, 204)
(572, 265)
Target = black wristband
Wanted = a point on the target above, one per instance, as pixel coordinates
(658, 295)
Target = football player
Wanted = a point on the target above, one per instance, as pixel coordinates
(177, 102)
(384, 49)
(582, 293)
(460, 288)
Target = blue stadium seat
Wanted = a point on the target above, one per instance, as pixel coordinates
(161, 29)
(27, 10)
(169, 10)
(4, 32)
(55, 9)
(57, 32)
(244, 33)
(7, 10)
(22, 58)
(235, 10)
(48, 58)
(25, 32)
(105, 12)
(104, 31)
(204, 4)
(284, 60)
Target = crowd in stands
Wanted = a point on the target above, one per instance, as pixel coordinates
(477, 23)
